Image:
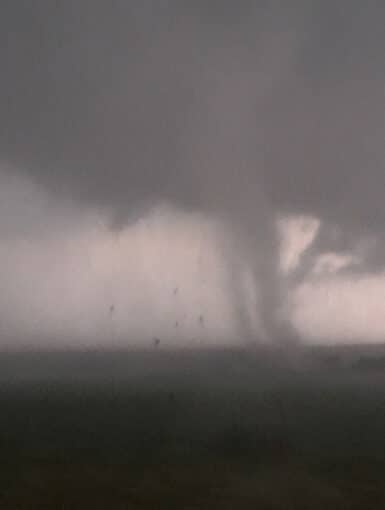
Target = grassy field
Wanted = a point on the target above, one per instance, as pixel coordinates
(191, 430)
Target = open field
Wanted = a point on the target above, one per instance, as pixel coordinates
(197, 429)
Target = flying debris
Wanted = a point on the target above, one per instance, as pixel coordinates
(156, 342)
(175, 291)
(201, 321)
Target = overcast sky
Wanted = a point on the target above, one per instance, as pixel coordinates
(196, 171)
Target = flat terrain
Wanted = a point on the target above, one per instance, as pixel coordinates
(300, 429)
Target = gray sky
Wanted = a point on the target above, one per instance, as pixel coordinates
(235, 111)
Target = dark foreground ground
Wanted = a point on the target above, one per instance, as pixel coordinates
(193, 430)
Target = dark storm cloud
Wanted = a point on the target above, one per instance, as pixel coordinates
(97, 98)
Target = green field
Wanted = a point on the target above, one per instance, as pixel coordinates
(184, 430)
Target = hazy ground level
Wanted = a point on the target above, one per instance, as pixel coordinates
(192, 430)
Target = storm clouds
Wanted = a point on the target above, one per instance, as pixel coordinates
(233, 114)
